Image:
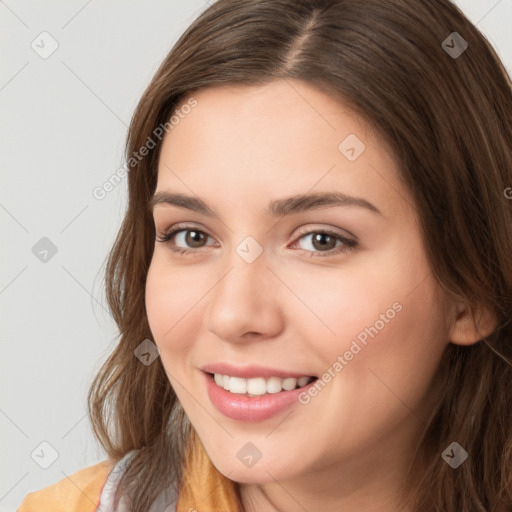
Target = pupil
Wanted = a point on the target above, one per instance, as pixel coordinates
(320, 237)
(193, 237)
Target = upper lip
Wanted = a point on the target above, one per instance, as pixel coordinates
(250, 371)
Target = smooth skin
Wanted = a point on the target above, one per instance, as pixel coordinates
(302, 302)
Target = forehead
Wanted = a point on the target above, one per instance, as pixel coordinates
(284, 137)
(275, 113)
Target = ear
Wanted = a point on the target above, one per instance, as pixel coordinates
(470, 326)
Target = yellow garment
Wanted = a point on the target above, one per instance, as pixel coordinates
(204, 488)
(78, 493)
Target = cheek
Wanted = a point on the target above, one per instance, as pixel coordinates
(380, 325)
(389, 361)
(358, 303)
(169, 299)
(175, 302)
(380, 364)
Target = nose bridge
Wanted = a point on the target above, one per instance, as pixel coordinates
(242, 285)
(241, 302)
(247, 263)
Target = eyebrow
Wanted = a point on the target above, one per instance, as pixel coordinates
(276, 208)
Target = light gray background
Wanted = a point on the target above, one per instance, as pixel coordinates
(63, 125)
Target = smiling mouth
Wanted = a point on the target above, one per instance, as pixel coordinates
(259, 386)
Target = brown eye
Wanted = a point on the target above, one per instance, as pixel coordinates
(323, 241)
(194, 238)
(190, 238)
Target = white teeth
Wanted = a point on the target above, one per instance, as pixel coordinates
(258, 385)
(274, 385)
(237, 385)
(289, 383)
(302, 381)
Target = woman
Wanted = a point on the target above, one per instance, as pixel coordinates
(313, 278)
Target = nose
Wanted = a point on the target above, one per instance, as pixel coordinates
(244, 304)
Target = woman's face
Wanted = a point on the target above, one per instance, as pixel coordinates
(278, 278)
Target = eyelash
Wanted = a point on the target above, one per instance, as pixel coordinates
(348, 244)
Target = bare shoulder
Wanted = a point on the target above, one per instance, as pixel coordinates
(78, 492)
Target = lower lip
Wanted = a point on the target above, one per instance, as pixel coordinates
(246, 408)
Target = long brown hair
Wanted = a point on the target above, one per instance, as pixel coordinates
(448, 119)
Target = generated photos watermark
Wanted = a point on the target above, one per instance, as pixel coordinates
(101, 191)
(355, 348)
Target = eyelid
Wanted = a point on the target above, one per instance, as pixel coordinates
(301, 231)
(174, 229)
(336, 231)
(349, 243)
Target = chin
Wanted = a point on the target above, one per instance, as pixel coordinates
(262, 472)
